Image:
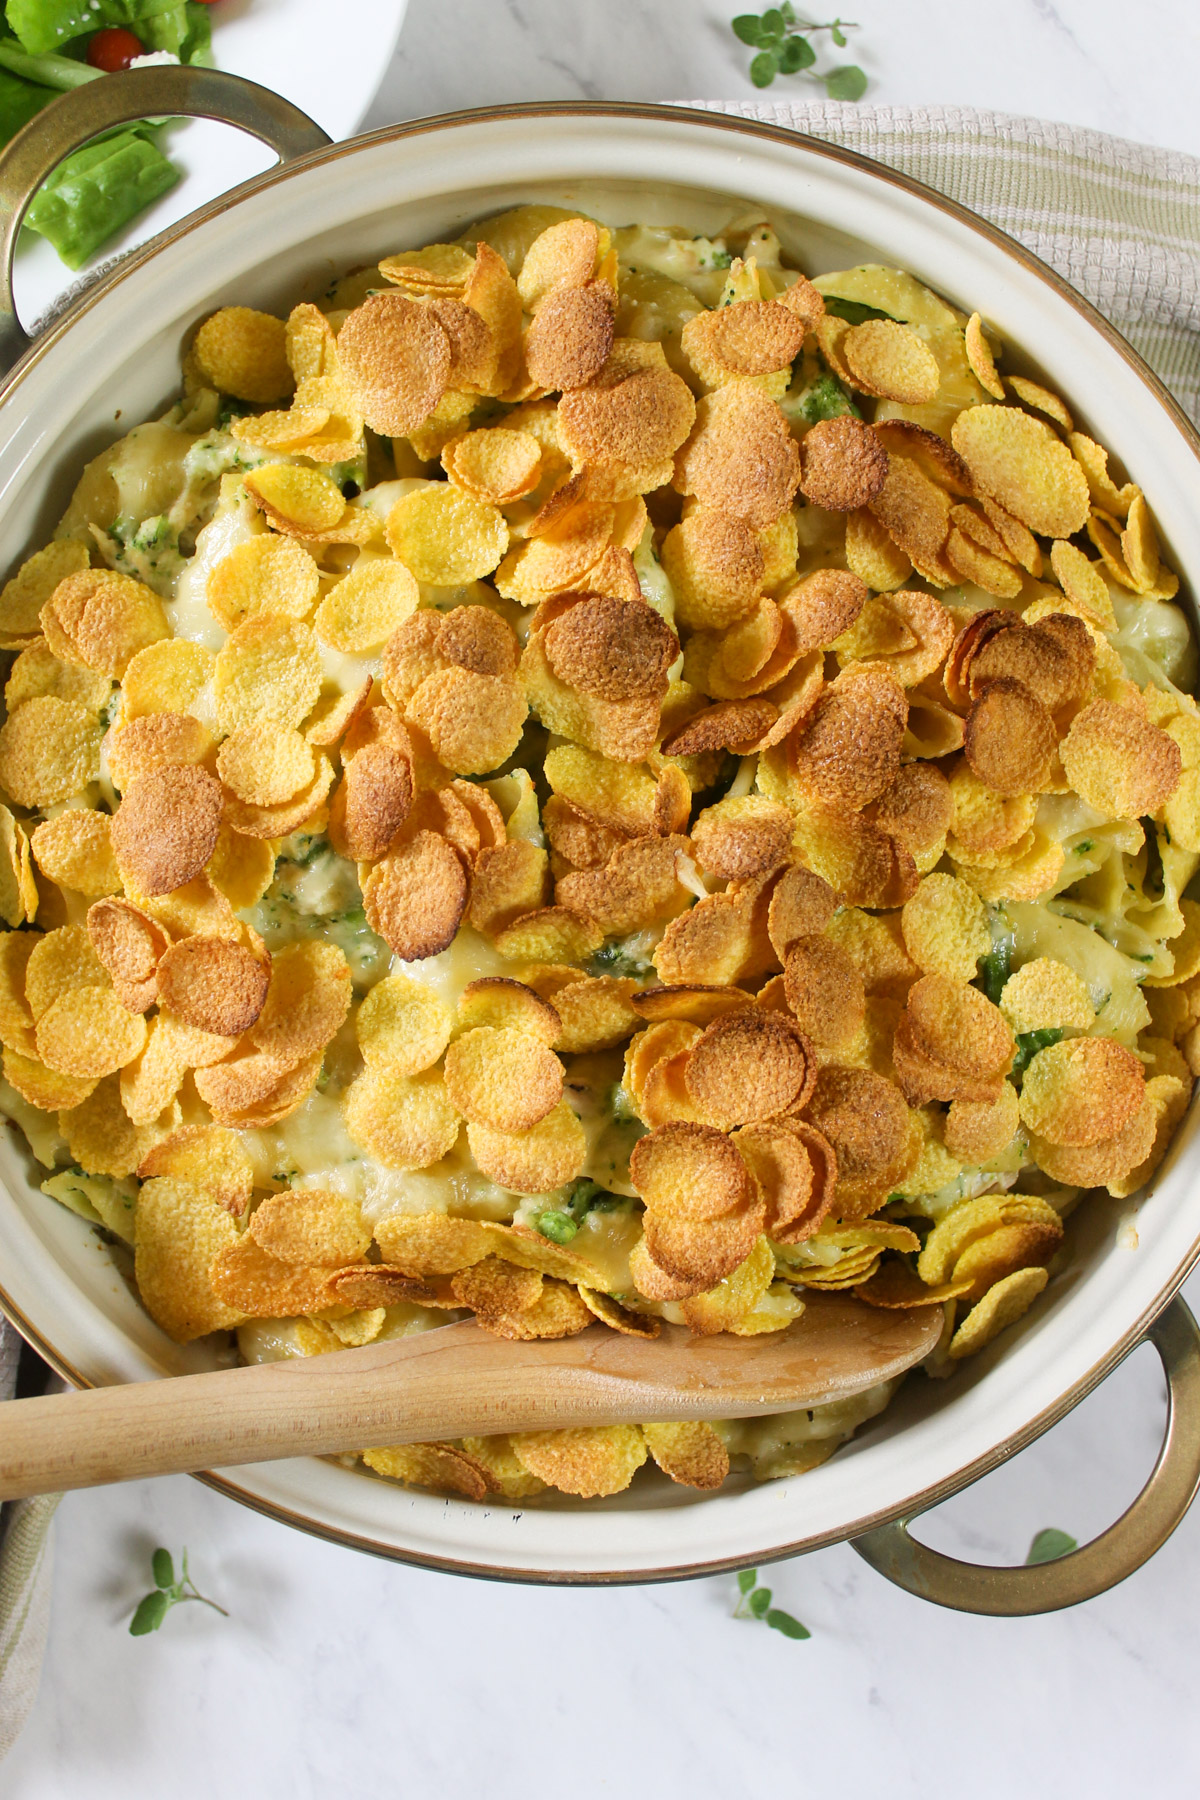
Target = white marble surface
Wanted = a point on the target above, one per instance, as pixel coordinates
(337, 1674)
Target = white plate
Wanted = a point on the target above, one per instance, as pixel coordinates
(302, 49)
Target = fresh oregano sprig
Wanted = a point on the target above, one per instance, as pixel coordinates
(784, 48)
(1049, 1545)
(167, 1592)
(754, 1602)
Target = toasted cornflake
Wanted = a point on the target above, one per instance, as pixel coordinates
(979, 355)
(179, 1231)
(75, 849)
(700, 1253)
(438, 268)
(1019, 461)
(436, 1466)
(54, 965)
(254, 821)
(403, 1123)
(130, 945)
(564, 255)
(796, 1171)
(445, 536)
(266, 764)
(750, 1065)
(715, 564)
(49, 751)
(740, 457)
(931, 452)
(863, 865)
(495, 466)
(371, 803)
(1118, 762)
(1009, 738)
(1032, 393)
(166, 677)
(294, 498)
(916, 514)
(1046, 993)
(824, 991)
(502, 1077)
(954, 1024)
(88, 1032)
(266, 574)
(690, 1172)
(396, 356)
(757, 337)
(1000, 1307)
(689, 1453)
(550, 934)
(890, 360)
(256, 1090)
(945, 928)
(102, 619)
(310, 1226)
(595, 1013)
(1094, 462)
(591, 1461)
(536, 1161)
(1081, 1091)
(736, 839)
(25, 593)
(917, 808)
(37, 671)
(570, 338)
(473, 722)
(499, 1002)
(207, 1156)
(243, 353)
(50, 1090)
(165, 829)
(638, 887)
(994, 574)
(640, 420)
(863, 1116)
(402, 1026)
(848, 749)
(844, 464)
(976, 1131)
(872, 554)
(214, 984)
(802, 904)
(1054, 658)
(416, 896)
(610, 649)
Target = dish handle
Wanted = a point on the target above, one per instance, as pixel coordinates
(74, 118)
(1108, 1559)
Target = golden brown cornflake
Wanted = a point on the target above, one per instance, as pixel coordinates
(954, 1024)
(503, 1078)
(945, 928)
(437, 1466)
(796, 1171)
(564, 255)
(994, 574)
(1054, 658)
(371, 803)
(824, 991)
(895, 1286)
(847, 751)
(695, 1003)
(402, 1026)
(37, 671)
(757, 337)
(690, 1453)
(1000, 1307)
(930, 451)
(416, 896)
(265, 574)
(165, 829)
(306, 1002)
(88, 1032)
(254, 821)
(915, 512)
(395, 355)
(977, 1131)
(1046, 993)
(102, 619)
(714, 562)
(1118, 762)
(890, 360)
(1009, 738)
(1032, 393)
(873, 555)
(1019, 461)
(735, 839)
(25, 593)
(446, 537)
(75, 849)
(1083, 582)
(265, 764)
(981, 359)
(50, 1090)
(595, 1013)
(611, 649)
(49, 751)
(589, 1462)
(213, 983)
(536, 1161)
(253, 1089)
(917, 809)
(1081, 1091)
(473, 722)
(843, 464)
(638, 887)
(750, 1065)
(243, 353)
(1104, 492)
(207, 1156)
(690, 1172)
(130, 945)
(510, 880)
(268, 668)
(496, 466)
(153, 742)
(165, 677)
(437, 269)
(801, 906)
(498, 1001)
(53, 964)
(404, 1123)
(638, 420)
(863, 1117)
(179, 1231)
(550, 934)
(862, 864)
(362, 611)
(100, 1136)
(740, 457)
(310, 1226)
(570, 337)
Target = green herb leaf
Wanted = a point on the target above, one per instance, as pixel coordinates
(1030, 1042)
(746, 1580)
(748, 27)
(764, 68)
(760, 1601)
(994, 971)
(788, 11)
(151, 1611)
(163, 1568)
(796, 54)
(855, 312)
(848, 83)
(772, 23)
(782, 1621)
(1049, 1545)
(559, 1227)
(837, 34)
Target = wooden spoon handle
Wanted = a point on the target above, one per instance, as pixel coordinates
(452, 1382)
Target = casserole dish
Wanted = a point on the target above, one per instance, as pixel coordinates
(114, 355)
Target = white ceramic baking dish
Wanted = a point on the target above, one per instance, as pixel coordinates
(115, 356)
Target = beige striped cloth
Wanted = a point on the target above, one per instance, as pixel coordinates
(1120, 221)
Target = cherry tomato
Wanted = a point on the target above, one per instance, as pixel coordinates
(114, 49)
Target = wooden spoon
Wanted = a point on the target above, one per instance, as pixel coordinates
(455, 1381)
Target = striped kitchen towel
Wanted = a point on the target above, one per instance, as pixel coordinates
(26, 1555)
